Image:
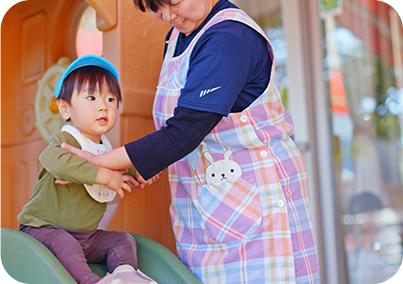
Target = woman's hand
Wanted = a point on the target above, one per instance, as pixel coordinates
(85, 155)
(143, 183)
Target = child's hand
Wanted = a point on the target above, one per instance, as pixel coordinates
(118, 182)
(143, 183)
(114, 180)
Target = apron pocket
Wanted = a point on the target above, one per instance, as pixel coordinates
(230, 209)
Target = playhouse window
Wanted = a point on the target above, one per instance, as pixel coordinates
(88, 37)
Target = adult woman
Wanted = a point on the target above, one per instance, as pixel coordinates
(239, 190)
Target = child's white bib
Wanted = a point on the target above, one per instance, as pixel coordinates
(97, 191)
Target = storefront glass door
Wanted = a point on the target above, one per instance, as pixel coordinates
(363, 71)
(268, 15)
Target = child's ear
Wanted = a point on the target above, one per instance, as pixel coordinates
(64, 109)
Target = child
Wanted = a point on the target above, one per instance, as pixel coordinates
(65, 216)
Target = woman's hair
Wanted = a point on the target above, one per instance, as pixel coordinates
(153, 5)
(95, 76)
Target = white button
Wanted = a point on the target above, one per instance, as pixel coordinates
(280, 203)
(244, 118)
(263, 154)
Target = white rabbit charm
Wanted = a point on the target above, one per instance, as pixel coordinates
(224, 169)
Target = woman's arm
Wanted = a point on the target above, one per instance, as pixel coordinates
(181, 135)
(68, 168)
(156, 151)
(115, 160)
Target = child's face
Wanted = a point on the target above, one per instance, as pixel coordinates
(93, 114)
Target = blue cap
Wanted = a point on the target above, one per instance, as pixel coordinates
(86, 60)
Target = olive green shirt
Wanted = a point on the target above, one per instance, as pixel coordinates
(64, 206)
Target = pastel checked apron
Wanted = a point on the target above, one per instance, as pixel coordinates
(240, 200)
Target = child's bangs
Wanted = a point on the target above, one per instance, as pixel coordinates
(93, 77)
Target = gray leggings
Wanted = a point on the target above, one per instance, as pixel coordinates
(74, 248)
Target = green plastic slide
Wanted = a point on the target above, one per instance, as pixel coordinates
(29, 261)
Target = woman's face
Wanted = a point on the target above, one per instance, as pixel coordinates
(185, 15)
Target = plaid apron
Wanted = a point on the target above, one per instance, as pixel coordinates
(240, 200)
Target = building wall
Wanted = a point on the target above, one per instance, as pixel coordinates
(30, 44)
(35, 34)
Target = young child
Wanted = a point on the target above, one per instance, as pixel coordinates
(65, 216)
